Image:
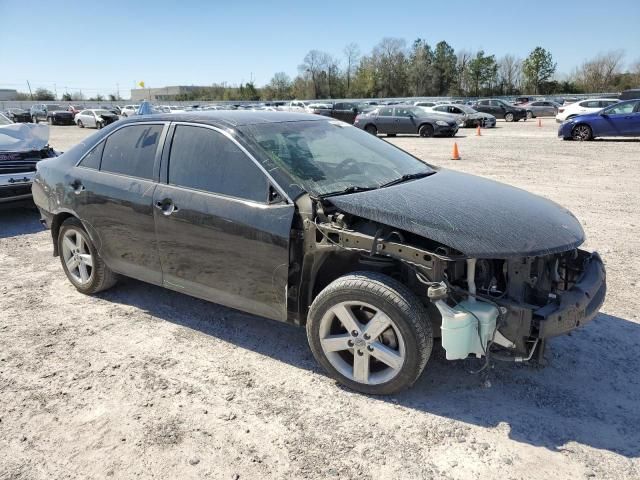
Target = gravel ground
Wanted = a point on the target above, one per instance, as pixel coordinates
(147, 383)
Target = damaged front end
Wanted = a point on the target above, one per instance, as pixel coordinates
(505, 307)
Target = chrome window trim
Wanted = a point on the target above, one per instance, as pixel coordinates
(244, 201)
(246, 152)
(164, 123)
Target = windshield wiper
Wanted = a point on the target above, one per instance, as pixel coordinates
(406, 177)
(350, 189)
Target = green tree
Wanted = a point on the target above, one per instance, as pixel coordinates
(538, 68)
(420, 69)
(66, 97)
(44, 94)
(279, 88)
(444, 68)
(482, 72)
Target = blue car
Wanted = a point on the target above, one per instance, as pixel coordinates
(619, 120)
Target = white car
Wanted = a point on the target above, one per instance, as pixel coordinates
(589, 105)
(129, 110)
(421, 103)
(293, 106)
(97, 118)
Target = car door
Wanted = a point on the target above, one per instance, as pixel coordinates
(113, 185)
(385, 120)
(220, 237)
(483, 106)
(404, 120)
(618, 120)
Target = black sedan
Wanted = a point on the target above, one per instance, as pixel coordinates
(308, 220)
(18, 115)
(406, 119)
(500, 109)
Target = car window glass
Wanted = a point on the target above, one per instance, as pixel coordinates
(439, 109)
(405, 112)
(92, 159)
(132, 150)
(606, 103)
(204, 159)
(621, 108)
(385, 112)
(591, 104)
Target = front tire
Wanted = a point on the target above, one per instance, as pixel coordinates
(50, 120)
(80, 124)
(370, 333)
(582, 132)
(80, 260)
(426, 131)
(529, 115)
(509, 117)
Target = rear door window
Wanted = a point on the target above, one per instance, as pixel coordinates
(204, 159)
(385, 112)
(92, 159)
(131, 151)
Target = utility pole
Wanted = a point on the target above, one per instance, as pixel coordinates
(117, 91)
(30, 92)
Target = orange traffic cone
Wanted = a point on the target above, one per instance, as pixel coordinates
(478, 134)
(455, 155)
(539, 122)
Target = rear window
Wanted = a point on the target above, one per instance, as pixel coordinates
(591, 104)
(131, 151)
(204, 159)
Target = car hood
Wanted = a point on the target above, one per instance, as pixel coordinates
(479, 115)
(476, 216)
(447, 117)
(23, 137)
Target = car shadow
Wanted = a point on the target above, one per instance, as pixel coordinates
(19, 219)
(589, 393)
(617, 139)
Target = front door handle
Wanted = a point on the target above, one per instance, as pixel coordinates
(166, 206)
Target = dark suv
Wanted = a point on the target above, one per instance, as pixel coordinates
(304, 219)
(52, 113)
(501, 109)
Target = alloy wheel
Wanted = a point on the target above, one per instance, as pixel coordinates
(77, 256)
(362, 343)
(581, 132)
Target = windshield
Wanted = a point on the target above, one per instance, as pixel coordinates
(330, 156)
(102, 112)
(54, 107)
(4, 120)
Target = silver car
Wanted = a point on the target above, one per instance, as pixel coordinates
(96, 118)
(541, 108)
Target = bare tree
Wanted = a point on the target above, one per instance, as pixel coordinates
(598, 73)
(462, 69)
(313, 66)
(390, 58)
(352, 54)
(510, 72)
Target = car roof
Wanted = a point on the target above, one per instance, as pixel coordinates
(230, 118)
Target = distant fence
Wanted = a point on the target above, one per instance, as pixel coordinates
(26, 104)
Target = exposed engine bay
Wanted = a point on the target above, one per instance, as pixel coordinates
(504, 307)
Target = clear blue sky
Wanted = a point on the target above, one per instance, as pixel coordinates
(94, 46)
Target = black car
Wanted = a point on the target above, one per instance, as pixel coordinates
(500, 109)
(308, 220)
(407, 119)
(18, 115)
(52, 113)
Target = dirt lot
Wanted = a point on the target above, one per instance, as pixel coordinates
(146, 383)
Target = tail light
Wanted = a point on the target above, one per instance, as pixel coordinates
(560, 110)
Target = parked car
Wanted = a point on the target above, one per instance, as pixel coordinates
(523, 100)
(293, 106)
(500, 109)
(112, 108)
(320, 108)
(22, 146)
(95, 118)
(75, 109)
(406, 119)
(421, 103)
(467, 116)
(619, 120)
(307, 220)
(129, 110)
(54, 114)
(630, 94)
(18, 115)
(541, 108)
(589, 105)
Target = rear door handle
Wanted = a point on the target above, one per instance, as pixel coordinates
(77, 186)
(166, 206)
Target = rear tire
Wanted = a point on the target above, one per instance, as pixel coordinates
(77, 253)
(393, 356)
(371, 129)
(529, 115)
(80, 124)
(50, 120)
(391, 134)
(425, 131)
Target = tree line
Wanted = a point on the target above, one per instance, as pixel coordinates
(394, 69)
